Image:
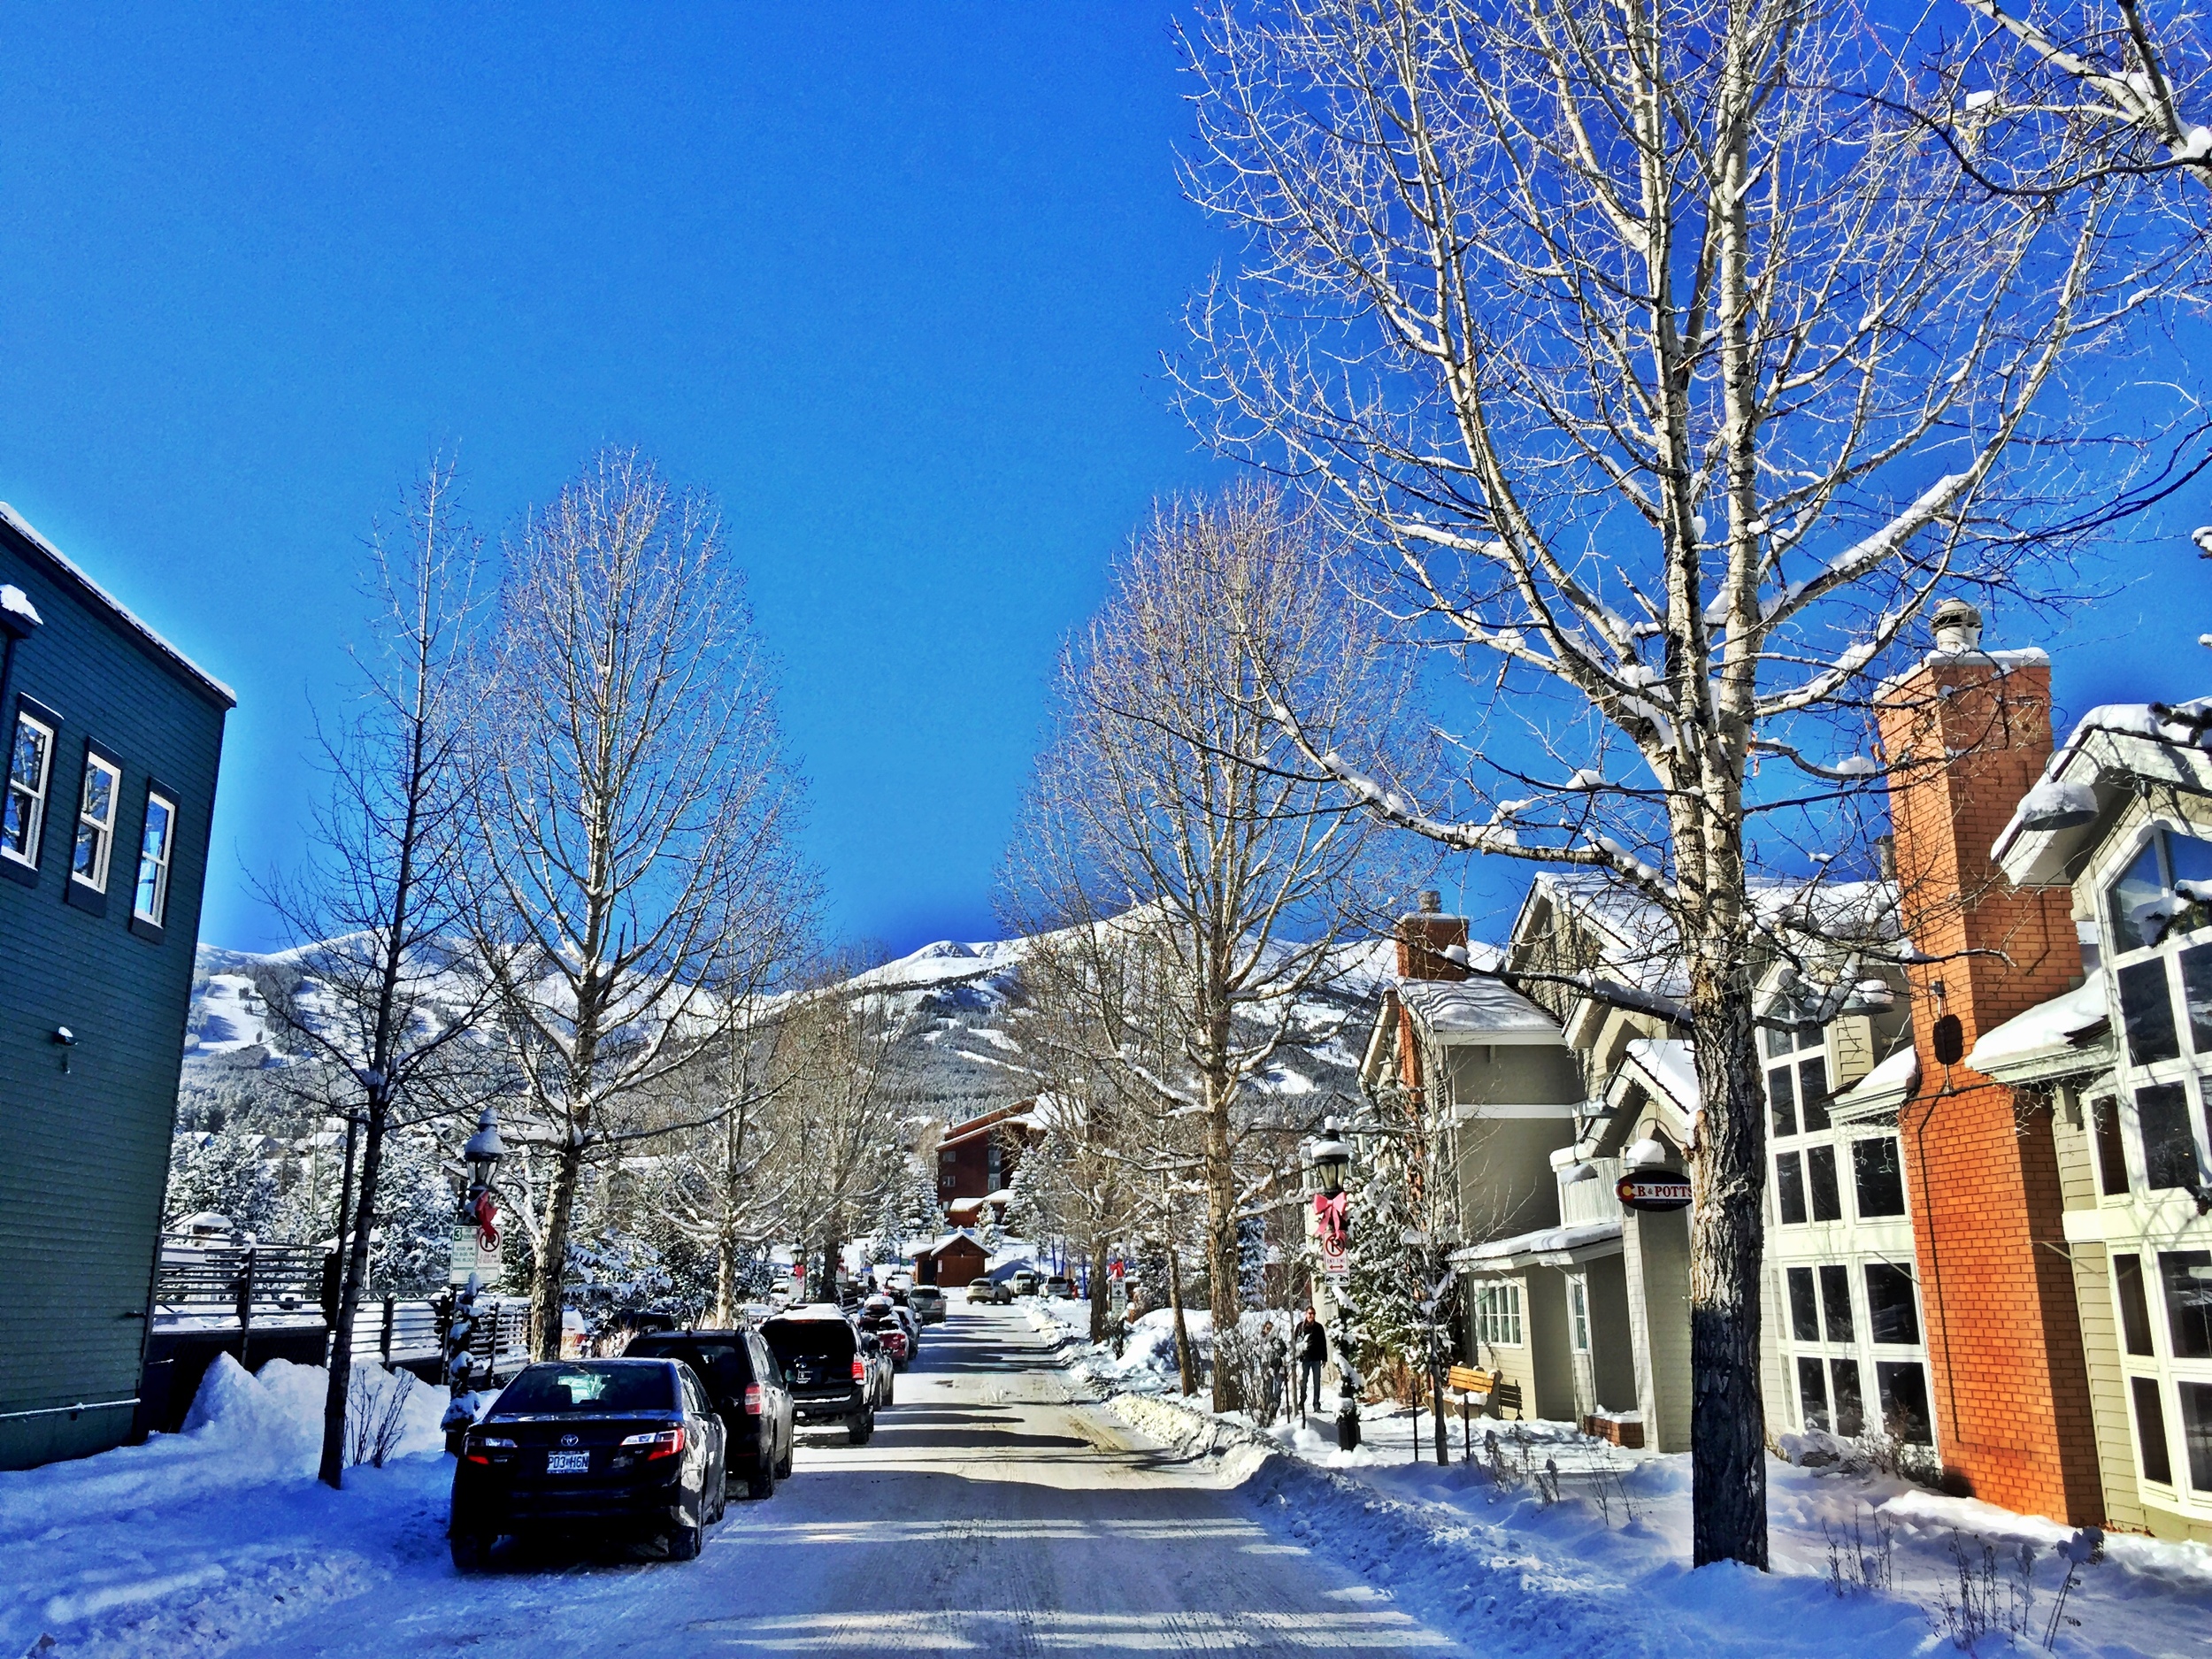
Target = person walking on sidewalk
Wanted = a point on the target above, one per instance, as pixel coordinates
(1312, 1343)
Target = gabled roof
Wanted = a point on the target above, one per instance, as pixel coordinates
(2109, 748)
(72, 575)
(977, 1128)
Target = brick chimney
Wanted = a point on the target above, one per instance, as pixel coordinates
(1425, 936)
(1965, 734)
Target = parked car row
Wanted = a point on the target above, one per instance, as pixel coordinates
(1023, 1281)
(647, 1443)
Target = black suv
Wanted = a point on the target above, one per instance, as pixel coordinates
(828, 1375)
(583, 1445)
(747, 1387)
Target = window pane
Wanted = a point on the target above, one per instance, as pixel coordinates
(1850, 1405)
(2112, 1157)
(2150, 1431)
(2187, 1275)
(1903, 1388)
(2190, 862)
(2138, 902)
(2135, 1306)
(1779, 1040)
(1820, 1175)
(27, 762)
(1812, 1092)
(1812, 1394)
(1835, 1301)
(1789, 1187)
(2196, 1433)
(1784, 1106)
(2146, 1012)
(1891, 1315)
(2170, 1150)
(1881, 1182)
(2196, 996)
(1804, 1312)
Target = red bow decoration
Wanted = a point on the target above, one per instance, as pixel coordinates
(1333, 1217)
(487, 1220)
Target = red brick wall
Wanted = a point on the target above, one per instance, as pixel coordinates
(1423, 939)
(2008, 1380)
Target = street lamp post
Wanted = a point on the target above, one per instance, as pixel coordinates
(1329, 1157)
(480, 1208)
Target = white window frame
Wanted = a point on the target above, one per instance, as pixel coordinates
(104, 828)
(159, 863)
(1579, 1316)
(37, 831)
(1498, 1314)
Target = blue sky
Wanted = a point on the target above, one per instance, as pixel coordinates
(893, 286)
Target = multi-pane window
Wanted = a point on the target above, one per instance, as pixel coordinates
(157, 844)
(30, 769)
(1498, 1314)
(2170, 1146)
(1902, 1388)
(1806, 1180)
(1879, 1176)
(95, 823)
(2186, 1276)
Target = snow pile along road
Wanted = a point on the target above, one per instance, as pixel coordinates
(194, 1542)
(1554, 1543)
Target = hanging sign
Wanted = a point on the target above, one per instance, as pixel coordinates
(1654, 1190)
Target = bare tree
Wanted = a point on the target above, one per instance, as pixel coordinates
(841, 1144)
(1170, 793)
(379, 1000)
(634, 819)
(1669, 374)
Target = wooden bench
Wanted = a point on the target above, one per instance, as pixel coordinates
(1490, 1388)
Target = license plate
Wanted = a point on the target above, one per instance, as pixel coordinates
(567, 1462)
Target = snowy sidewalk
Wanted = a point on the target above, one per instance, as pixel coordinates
(1590, 1556)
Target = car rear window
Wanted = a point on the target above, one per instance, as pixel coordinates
(817, 1339)
(725, 1367)
(589, 1387)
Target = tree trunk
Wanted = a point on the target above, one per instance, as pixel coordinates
(1727, 1419)
(1185, 1372)
(1098, 1288)
(1224, 1258)
(725, 1278)
(550, 1279)
(333, 1468)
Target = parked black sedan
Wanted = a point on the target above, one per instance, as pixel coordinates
(747, 1387)
(571, 1445)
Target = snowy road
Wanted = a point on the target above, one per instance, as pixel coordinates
(991, 1514)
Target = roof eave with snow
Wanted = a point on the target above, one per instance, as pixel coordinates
(76, 576)
(2070, 1035)
(1549, 1246)
(2107, 752)
(1881, 1092)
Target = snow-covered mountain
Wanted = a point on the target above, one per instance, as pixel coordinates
(958, 1049)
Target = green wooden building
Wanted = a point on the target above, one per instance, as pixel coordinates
(114, 740)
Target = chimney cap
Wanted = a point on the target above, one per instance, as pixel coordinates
(1957, 626)
(1429, 902)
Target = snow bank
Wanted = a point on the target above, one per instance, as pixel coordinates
(1602, 1569)
(198, 1541)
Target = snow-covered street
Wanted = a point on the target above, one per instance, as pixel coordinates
(991, 1514)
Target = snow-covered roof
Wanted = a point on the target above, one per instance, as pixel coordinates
(2109, 749)
(2068, 1033)
(29, 532)
(1887, 1087)
(1482, 1008)
(1552, 1246)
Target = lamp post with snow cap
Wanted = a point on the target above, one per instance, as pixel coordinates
(1328, 1158)
(479, 1210)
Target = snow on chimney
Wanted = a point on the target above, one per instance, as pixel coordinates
(1427, 939)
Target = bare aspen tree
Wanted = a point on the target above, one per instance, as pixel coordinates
(634, 822)
(840, 1145)
(1171, 797)
(380, 1002)
(1669, 375)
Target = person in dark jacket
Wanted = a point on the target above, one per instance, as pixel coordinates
(1312, 1345)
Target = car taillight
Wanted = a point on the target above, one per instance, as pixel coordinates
(478, 1447)
(752, 1400)
(660, 1443)
(860, 1369)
